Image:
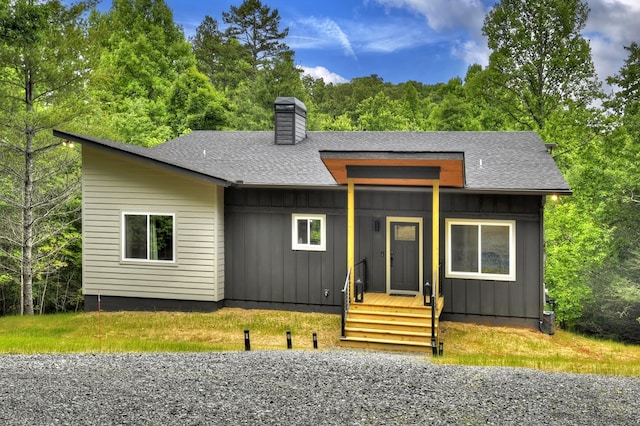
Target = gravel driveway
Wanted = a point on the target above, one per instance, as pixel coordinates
(301, 388)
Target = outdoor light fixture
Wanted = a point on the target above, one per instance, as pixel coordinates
(554, 197)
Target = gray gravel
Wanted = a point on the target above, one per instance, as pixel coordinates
(301, 388)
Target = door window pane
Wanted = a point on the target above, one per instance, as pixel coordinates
(405, 232)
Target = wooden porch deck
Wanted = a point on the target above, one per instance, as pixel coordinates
(408, 301)
(397, 323)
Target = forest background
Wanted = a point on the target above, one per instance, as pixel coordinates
(130, 74)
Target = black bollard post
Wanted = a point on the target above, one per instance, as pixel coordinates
(289, 346)
(315, 340)
(247, 341)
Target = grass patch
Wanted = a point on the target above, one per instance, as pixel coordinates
(469, 344)
(223, 330)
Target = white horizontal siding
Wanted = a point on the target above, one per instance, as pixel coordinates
(114, 184)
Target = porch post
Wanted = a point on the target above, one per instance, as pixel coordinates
(351, 237)
(435, 241)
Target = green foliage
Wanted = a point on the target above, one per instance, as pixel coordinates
(380, 113)
(573, 249)
(223, 59)
(257, 28)
(627, 99)
(44, 55)
(145, 84)
(193, 103)
(539, 59)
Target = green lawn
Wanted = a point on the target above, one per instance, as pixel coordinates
(165, 331)
(223, 330)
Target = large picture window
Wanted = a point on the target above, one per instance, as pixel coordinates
(149, 237)
(481, 249)
(308, 232)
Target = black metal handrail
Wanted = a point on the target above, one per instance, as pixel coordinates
(360, 284)
(360, 279)
(345, 302)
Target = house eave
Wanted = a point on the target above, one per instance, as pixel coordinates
(140, 158)
(336, 187)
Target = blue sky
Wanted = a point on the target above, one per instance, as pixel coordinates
(430, 41)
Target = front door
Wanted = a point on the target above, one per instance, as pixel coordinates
(404, 255)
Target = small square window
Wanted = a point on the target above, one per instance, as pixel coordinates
(148, 237)
(308, 232)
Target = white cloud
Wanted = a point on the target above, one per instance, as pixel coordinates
(323, 73)
(390, 36)
(471, 52)
(444, 14)
(459, 21)
(320, 33)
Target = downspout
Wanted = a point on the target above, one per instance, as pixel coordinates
(543, 254)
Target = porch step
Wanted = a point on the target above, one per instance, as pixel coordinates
(400, 310)
(388, 316)
(385, 344)
(389, 327)
(384, 334)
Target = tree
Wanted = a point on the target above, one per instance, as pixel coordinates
(626, 101)
(142, 61)
(256, 26)
(539, 58)
(193, 103)
(380, 113)
(224, 60)
(43, 53)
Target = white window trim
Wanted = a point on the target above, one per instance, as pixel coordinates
(295, 245)
(479, 275)
(123, 243)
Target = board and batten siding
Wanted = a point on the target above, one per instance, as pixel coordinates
(262, 268)
(113, 184)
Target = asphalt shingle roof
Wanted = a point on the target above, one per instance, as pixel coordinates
(494, 161)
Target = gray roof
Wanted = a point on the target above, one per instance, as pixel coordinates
(494, 161)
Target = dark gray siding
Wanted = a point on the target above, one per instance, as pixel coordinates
(262, 267)
(497, 301)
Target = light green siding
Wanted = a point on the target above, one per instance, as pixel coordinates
(113, 184)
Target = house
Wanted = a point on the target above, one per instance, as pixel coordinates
(410, 227)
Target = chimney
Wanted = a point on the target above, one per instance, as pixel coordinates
(290, 117)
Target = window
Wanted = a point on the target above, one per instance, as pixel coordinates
(308, 232)
(481, 249)
(149, 237)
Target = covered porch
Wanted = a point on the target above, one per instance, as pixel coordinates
(406, 316)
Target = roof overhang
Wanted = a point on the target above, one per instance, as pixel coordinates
(396, 168)
(128, 151)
